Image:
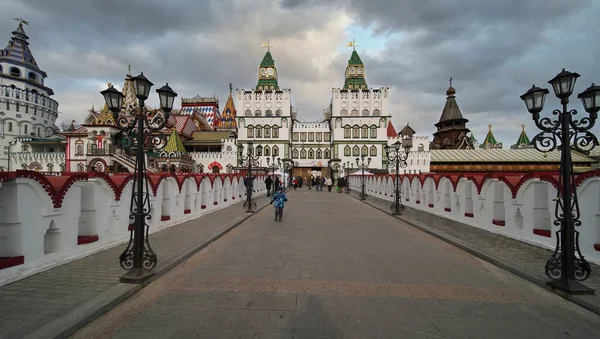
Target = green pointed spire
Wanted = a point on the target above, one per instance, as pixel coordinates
(174, 145)
(267, 60)
(355, 73)
(490, 141)
(523, 138)
(267, 74)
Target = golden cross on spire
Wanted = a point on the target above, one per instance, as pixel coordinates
(352, 44)
(266, 45)
(21, 21)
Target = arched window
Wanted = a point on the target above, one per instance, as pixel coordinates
(269, 113)
(228, 149)
(50, 167)
(259, 150)
(344, 113)
(250, 130)
(24, 166)
(326, 154)
(365, 112)
(62, 167)
(356, 132)
(275, 151)
(200, 168)
(39, 132)
(347, 132)
(311, 154)
(295, 154)
(364, 151)
(373, 132)
(80, 167)
(229, 169)
(347, 151)
(303, 154)
(79, 149)
(25, 129)
(248, 113)
(267, 151)
(257, 113)
(376, 112)
(32, 77)
(258, 131)
(275, 132)
(355, 151)
(278, 113)
(15, 72)
(365, 132)
(267, 131)
(373, 151)
(421, 148)
(354, 113)
(319, 154)
(10, 126)
(1, 71)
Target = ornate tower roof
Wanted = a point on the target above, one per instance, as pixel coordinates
(490, 141)
(451, 111)
(229, 112)
(523, 138)
(174, 146)
(130, 101)
(17, 51)
(407, 130)
(391, 131)
(267, 74)
(355, 73)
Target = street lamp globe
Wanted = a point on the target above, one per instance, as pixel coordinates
(397, 145)
(387, 149)
(167, 98)
(534, 99)
(142, 86)
(357, 161)
(591, 100)
(113, 99)
(240, 150)
(564, 83)
(368, 161)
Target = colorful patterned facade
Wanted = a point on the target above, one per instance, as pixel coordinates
(207, 107)
(229, 113)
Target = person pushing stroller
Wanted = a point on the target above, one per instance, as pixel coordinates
(279, 198)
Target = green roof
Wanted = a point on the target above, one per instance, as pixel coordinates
(174, 144)
(266, 84)
(354, 59)
(267, 60)
(523, 138)
(489, 138)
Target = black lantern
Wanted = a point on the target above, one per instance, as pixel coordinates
(113, 99)
(534, 99)
(142, 86)
(167, 98)
(240, 149)
(591, 99)
(564, 83)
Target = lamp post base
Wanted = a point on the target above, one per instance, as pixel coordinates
(136, 276)
(570, 286)
(249, 211)
(397, 213)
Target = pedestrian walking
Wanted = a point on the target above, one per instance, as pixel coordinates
(295, 183)
(268, 183)
(329, 184)
(279, 198)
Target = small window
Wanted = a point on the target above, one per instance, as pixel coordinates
(269, 113)
(275, 151)
(344, 113)
(259, 150)
(228, 149)
(347, 132)
(354, 113)
(365, 132)
(10, 126)
(295, 136)
(257, 113)
(421, 147)
(248, 113)
(15, 72)
(319, 136)
(347, 151)
(303, 154)
(275, 132)
(327, 136)
(302, 136)
(79, 150)
(355, 151)
(267, 132)
(311, 137)
(373, 132)
(311, 154)
(327, 155)
(267, 151)
(258, 132)
(1, 71)
(319, 154)
(364, 151)
(365, 112)
(376, 112)
(25, 129)
(39, 132)
(32, 77)
(356, 132)
(278, 113)
(250, 132)
(373, 151)
(295, 154)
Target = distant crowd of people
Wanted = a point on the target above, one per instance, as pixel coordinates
(318, 182)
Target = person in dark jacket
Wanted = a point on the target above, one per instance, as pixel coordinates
(268, 183)
(277, 183)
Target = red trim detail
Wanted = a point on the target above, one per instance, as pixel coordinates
(86, 239)
(187, 211)
(498, 222)
(597, 247)
(165, 217)
(232, 198)
(6, 262)
(56, 186)
(418, 201)
(215, 203)
(224, 200)
(447, 209)
(430, 205)
(543, 233)
(469, 215)
(203, 207)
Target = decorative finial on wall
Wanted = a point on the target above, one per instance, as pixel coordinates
(490, 126)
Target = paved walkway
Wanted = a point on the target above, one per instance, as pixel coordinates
(335, 268)
(527, 261)
(61, 300)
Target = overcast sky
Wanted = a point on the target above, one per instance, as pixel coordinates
(494, 49)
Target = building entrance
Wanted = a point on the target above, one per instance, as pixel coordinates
(308, 171)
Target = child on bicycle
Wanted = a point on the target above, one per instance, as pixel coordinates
(279, 198)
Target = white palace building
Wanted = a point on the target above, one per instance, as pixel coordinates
(356, 122)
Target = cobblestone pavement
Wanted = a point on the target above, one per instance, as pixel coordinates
(530, 260)
(31, 303)
(333, 268)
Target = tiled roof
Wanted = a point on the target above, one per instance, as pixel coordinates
(391, 131)
(523, 138)
(228, 115)
(182, 123)
(355, 59)
(17, 50)
(174, 145)
(407, 130)
(451, 110)
(210, 135)
(267, 60)
(211, 113)
(526, 155)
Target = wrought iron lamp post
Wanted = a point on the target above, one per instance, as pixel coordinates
(398, 158)
(362, 166)
(567, 266)
(347, 167)
(249, 160)
(288, 165)
(274, 164)
(137, 128)
(10, 146)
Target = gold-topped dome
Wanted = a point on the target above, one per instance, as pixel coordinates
(450, 90)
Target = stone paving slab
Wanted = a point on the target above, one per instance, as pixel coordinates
(57, 302)
(523, 259)
(452, 294)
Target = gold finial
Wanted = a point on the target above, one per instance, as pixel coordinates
(21, 21)
(266, 45)
(352, 44)
(523, 127)
(490, 126)
(109, 84)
